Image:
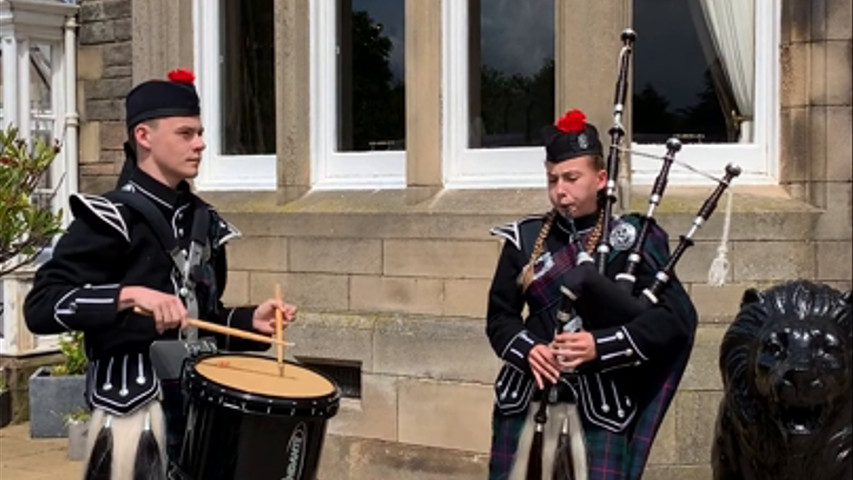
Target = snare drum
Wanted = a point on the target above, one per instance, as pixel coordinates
(247, 421)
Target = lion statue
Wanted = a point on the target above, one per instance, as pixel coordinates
(786, 367)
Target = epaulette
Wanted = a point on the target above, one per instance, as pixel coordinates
(102, 208)
(224, 230)
(514, 231)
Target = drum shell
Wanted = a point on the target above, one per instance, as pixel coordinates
(223, 443)
(233, 434)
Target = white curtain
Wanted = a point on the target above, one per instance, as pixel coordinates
(732, 27)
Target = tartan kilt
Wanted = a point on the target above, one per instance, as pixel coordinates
(607, 452)
(610, 455)
(506, 430)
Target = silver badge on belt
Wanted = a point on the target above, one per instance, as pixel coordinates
(623, 236)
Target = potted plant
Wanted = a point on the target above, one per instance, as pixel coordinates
(5, 400)
(58, 391)
(77, 423)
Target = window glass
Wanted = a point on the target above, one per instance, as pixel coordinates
(511, 72)
(248, 78)
(683, 76)
(371, 82)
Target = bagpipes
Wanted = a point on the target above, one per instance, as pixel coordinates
(614, 299)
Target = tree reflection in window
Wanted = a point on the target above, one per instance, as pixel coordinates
(679, 86)
(371, 80)
(511, 72)
(248, 78)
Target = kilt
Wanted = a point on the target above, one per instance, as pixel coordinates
(610, 455)
(607, 452)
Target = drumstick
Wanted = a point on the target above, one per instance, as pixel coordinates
(278, 333)
(215, 327)
(235, 332)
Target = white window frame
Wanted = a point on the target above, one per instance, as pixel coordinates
(758, 159)
(330, 168)
(462, 166)
(466, 167)
(220, 171)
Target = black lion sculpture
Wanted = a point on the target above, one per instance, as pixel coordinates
(786, 367)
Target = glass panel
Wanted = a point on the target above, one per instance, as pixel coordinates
(371, 81)
(40, 78)
(41, 100)
(511, 71)
(680, 85)
(247, 78)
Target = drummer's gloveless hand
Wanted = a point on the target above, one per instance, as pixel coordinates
(167, 310)
(263, 320)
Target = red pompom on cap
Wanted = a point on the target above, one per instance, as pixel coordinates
(181, 75)
(574, 121)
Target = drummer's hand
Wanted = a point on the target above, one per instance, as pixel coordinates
(544, 365)
(574, 348)
(263, 320)
(167, 310)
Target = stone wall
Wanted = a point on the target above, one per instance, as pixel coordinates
(104, 77)
(816, 155)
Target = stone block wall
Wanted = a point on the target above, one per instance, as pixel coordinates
(104, 77)
(816, 124)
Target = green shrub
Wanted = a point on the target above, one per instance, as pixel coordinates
(26, 226)
(74, 354)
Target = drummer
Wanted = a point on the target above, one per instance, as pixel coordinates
(114, 277)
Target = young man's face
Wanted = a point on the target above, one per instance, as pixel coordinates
(175, 145)
(573, 184)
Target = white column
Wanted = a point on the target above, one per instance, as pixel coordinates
(72, 119)
(23, 88)
(10, 80)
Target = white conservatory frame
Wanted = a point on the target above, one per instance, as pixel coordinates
(24, 23)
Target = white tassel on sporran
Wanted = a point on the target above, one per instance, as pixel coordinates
(557, 414)
(125, 433)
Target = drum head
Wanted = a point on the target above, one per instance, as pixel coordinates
(252, 383)
(260, 375)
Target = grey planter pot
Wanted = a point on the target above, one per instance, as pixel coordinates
(51, 398)
(77, 440)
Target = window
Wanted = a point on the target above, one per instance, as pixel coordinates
(36, 105)
(705, 71)
(42, 122)
(236, 81)
(358, 94)
(499, 91)
(248, 102)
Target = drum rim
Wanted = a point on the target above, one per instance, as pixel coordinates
(327, 400)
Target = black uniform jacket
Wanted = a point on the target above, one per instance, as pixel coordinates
(109, 246)
(631, 352)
